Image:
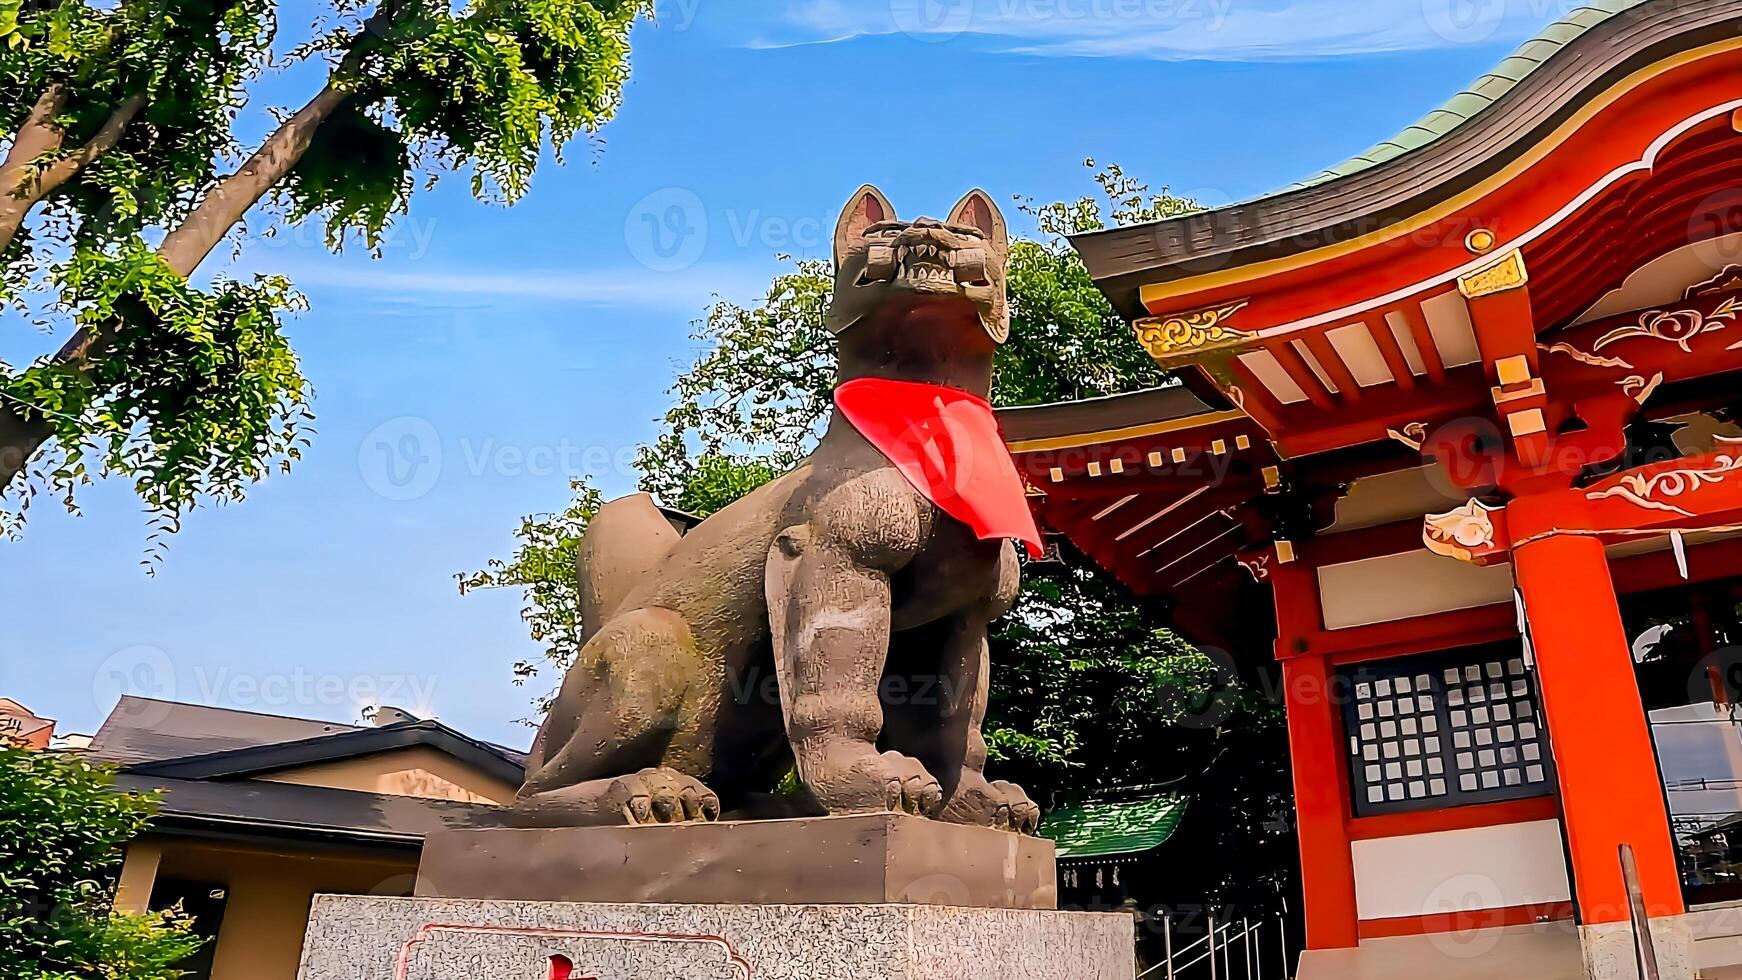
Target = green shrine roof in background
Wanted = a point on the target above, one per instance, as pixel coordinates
(1105, 829)
(1483, 92)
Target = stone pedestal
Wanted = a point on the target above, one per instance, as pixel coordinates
(1556, 950)
(856, 860)
(369, 938)
(883, 897)
(1611, 952)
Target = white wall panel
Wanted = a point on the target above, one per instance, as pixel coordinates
(1461, 871)
(1448, 320)
(1399, 324)
(1360, 353)
(1267, 369)
(1416, 583)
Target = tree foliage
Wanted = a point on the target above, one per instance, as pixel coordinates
(1091, 691)
(117, 119)
(122, 110)
(543, 566)
(199, 396)
(62, 829)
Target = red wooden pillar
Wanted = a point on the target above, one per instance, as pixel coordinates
(1320, 758)
(1611, 793)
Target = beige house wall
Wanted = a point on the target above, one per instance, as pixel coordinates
(138, 874)
(418, 771)
(269, 894)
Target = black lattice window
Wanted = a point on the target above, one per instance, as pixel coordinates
(1446, 730)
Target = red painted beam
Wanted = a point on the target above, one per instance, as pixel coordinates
(1332, 362)
(1302, 375)
(1505, 328)
(1254, 398)
(1424, 342)
(1390, 349)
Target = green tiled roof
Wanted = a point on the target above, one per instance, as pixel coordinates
(1108, 829)
(1481, 94)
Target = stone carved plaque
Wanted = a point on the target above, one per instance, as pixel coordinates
(469, 952)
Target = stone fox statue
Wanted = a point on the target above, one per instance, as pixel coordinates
(834, 619)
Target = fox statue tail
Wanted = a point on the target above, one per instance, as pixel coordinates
(622, 546)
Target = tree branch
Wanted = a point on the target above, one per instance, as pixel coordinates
(221, 209)
(105, 139)
(20, 438)
(39, 135)
(25, 188)
(22, 432)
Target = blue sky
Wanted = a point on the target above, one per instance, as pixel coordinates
(492, 354)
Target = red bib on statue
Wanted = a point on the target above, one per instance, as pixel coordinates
(946, 442)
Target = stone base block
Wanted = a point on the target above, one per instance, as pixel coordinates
(873, 859)
(1611, 953)
(370, 938)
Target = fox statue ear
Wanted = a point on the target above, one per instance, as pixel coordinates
(976, 210)
(865, 208)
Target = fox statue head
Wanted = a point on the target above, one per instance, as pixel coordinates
(883, 263)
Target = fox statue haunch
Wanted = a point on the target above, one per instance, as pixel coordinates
(838, 578)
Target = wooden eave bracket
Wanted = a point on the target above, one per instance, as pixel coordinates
(1193, 338)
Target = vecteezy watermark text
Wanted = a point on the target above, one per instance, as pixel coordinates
(942, 20)
(670, 229)
(145, 671)
(404, 458)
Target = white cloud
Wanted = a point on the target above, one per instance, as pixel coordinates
(1208, 30)
(688, 292)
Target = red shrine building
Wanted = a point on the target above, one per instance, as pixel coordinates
(1457, 442)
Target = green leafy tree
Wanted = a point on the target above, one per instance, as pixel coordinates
(118, 116)
(62, 829)
(543, 566)
(1091, 691)
(116, 111)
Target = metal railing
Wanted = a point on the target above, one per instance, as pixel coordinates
(1229, 950)
(1644, 948)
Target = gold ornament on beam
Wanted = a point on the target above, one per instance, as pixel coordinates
(1727, 281)
(1660, 491)
(1411, 435)
(1640, 388)
(1678, 327)
(1584, 357)
(1185, 337)
(1508, 273)
(1481, 241)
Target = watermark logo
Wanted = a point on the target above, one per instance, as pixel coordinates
(932, 21)
(142, 671)
(1458, 894)
(1716, 674)
(940, 890)
(677, 15)
(150, 676)
(408, 238)
(404, 458)
(667, 230)
(301, 691)
(1207, 705)
(1464, 21)
(401, 459)
(1716, 228)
